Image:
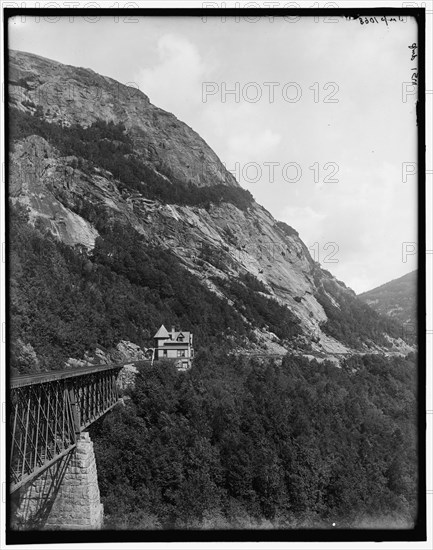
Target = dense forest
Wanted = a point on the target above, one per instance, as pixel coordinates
(238, 443)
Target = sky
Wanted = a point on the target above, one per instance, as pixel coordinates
(316, 118)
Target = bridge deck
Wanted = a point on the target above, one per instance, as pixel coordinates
(41, 377)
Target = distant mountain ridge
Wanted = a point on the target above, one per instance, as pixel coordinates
(397, 298)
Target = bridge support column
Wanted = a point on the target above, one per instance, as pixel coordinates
(65, 496)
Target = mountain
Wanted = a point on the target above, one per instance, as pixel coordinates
(123, 218)
(397, 298)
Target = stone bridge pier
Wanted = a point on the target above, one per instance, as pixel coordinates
(64, 496)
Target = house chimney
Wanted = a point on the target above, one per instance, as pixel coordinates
(173, 329)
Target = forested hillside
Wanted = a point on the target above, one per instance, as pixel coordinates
(238, 443)
(65, 302)
(396, 299)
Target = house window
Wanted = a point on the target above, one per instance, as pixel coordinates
(181, 353)
(180, 338)
(164, 353)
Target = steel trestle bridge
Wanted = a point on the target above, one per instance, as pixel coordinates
(48, 412)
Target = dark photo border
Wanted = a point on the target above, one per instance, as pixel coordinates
(418, 533)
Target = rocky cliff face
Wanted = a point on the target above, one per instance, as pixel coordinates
(73, 95)
(216, 242)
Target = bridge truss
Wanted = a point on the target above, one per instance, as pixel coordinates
(48, 412)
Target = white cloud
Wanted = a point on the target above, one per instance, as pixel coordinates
(174, 83)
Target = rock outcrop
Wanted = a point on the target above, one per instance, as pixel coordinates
(75, 95)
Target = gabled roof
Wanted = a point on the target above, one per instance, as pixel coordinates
(185, 335)
(162, 332)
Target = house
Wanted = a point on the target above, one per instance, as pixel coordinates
(174, 345)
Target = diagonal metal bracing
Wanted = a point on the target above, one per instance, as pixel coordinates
(50, 410)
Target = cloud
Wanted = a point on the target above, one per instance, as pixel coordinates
(175, 82)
